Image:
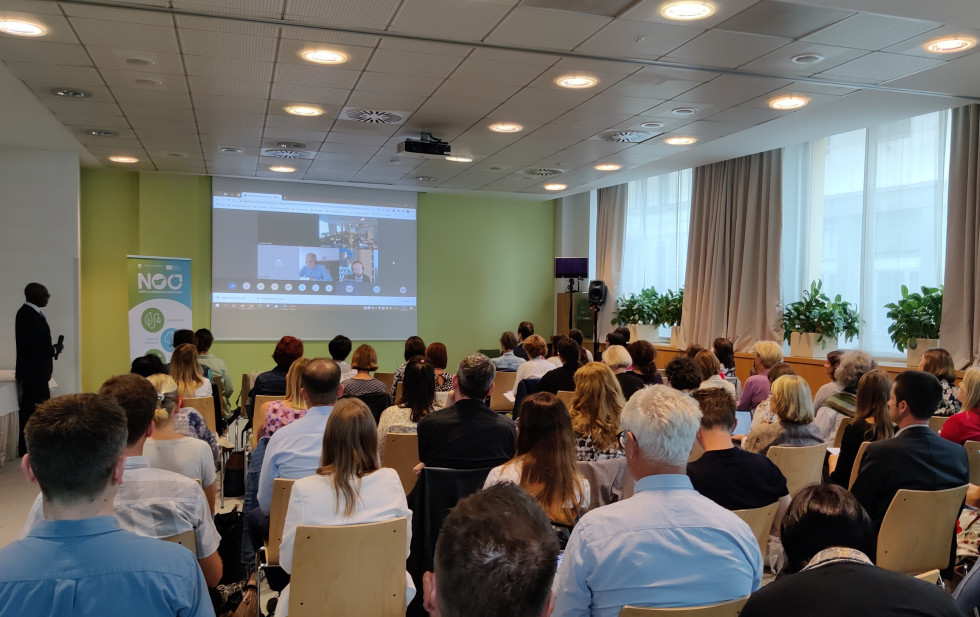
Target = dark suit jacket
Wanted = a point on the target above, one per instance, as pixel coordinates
(917, 459)
(468, 435)
(35, 353)
(561, 378)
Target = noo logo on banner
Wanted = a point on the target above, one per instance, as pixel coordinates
(159, 282)
(152, 320)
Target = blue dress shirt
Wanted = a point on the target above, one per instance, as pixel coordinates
(319, 273)
(666, 546)
(92, 567)
(293, 452)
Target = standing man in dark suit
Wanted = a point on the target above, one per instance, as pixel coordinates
(35, 355)
(915, 458)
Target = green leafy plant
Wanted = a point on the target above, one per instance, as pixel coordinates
(817, 313)
(914, 316)
(641, 308)
(671, 307)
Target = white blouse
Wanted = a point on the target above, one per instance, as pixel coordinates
(531, 369)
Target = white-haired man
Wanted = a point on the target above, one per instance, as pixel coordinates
(667, 546)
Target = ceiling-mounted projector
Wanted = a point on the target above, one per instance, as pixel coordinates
(426, 146)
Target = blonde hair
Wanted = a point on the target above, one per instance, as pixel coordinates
(166, 389)
(616, 357)
(970, 387)
(185, 370)
(791, 400)
(294, 383)
(597, 404)
(769, 352)
(350, 451)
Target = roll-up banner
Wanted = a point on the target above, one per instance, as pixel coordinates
(159, 303)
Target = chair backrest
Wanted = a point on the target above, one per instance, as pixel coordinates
(216, 382)
(973, 453)
(801, 465)
(760, 521)
(259, 415)
(402, 455)
(184, 538)
(730, 608)
(398, 390)
(349, 570)
(502, 382)
(609, 481)
(281, 488)
(918, 529)
(377, 403)
(386, 378)
(696, 452)
(856, 468)
(936, 423)
(839, 435)
(262, 399)
(566, 396)
(204, 406)
(931, 577)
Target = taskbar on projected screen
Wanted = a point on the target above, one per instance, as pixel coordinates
(252, 300)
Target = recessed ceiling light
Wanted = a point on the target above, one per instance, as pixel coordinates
(232, 150)
(576, 81)
(506, 127)
(950, 45)
(683, 111)
(304, 110)
(19, 27)
(100, 132)
(128, 160)
(608, 167)
(283, 169)
(652, 125)
(460, 159)
(71, 93)
(806, 58)
(425, 178)
(680, 141)
(324, 56)
(555, 187)
(687, 10)
(788, 102)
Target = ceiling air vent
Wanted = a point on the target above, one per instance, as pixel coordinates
(281, 153)
(542, 172)
(373, 116)
(626, 137)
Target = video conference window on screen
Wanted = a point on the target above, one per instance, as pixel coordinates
(312, 261)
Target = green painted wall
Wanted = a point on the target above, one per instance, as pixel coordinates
(485, 264)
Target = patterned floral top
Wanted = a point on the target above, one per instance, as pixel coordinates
(277, 415)
(395, 419)
(727, 372)
(948, 405)
(360, 387)
(588, 452)
(187, 421)
(447, 384)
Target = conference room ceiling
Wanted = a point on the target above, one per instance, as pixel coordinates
(201, 86)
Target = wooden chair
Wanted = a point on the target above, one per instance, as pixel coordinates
(839, 435)
(760, 521)
(801, 465)
(730, 608)
(184, 538)
(566, 397)
(973, 453)
(268, 556)
(931, 577)
(936, 423)
(219, 384)
(204, 406)
(386, 378)
(402, 455)
(398, 389)
(502, 382)
(857, 464)
(349, 570)
(918, 529)
(259, 415)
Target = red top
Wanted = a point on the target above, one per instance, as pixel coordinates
(962, 427)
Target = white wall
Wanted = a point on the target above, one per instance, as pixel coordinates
(39, 241)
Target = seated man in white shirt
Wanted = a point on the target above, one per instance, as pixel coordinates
(153, 502)
(666, 546)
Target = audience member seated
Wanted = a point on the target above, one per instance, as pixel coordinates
(595, 412)
(294, 451)
(436, 353)
(187, 373)
(273, 383)
(915, 458)
(174, 451)
(507, 361)
(938, 362)
(348, 487)
(78, 560)
(365, 362)
(828, 389)
(536, 366)
(617, 337)
(965, 426)
(524, 330)
(618, 359)
(853, 364)
(219, 370)
(709, 369)
(496, 555)
(339, 348)
(147, 365)
(682, 374)
(644, 356)
(762, 413)
(153, 502)
(692, 351)
(187, 420)
(667, 545)
(563, 378)
(468, 434)
(418, 399)
(766, 355)
(828, 539)
(188, 337)
(553, 358)
(793, 405)
(545, 463)
(725, 352)
(414, 346)
(274, 415)
(576, 335)
(871, 423)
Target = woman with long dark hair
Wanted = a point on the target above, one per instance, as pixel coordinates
(871, 422)
(725, 353)
(644, 356)
(418, 398)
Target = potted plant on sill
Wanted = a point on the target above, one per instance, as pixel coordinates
(640, 313)
(813, 324)
(916, 318)
(671, 309)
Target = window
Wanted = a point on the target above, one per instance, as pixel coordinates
(865, 211)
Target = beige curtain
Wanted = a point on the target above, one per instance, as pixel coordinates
(732, 281)
(961, 297)
(610, 230)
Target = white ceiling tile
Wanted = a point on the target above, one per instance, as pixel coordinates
(189, 148)
(461, 19)
(329, 37)
(54, 74)
(817, 88)
(649, 10)
(599, 66)
(401, 84)
(227, 87)
(99, 108)
(362, 128)
(158, 124)
(780, 61)
(370, 13)
(454, 110)
(712, 129)
(119, 35)
(385, 100)
(133, 110)
(311, 75)
(544, 29)
(605, 103)
(335, 148)
(278, 123)
(312, 139)
(231, 103)
(229, 130)
(151, 97)
(152, 135)
(27, 8)
(638, 39)
(915, 46)
(43, 90)
(341, 137)
(785, 19)
(425, 47)
(95, 121)
(226, 68)
(660, 83)
(290, 53)
(868, 31)
(458, 90)
(547, 79)
(212, 145)
(664, 110)
(224, 45)
(309, 94)
(229, 117)
(409, 63)
(147, 81)
(238, 8)
(494, 72)
(725, 49)
(557, 100)
(120, 143)
(59, 31)
(747, 114)
(733, 89)
(518, 57)
(23, 50)
(81, 133)
(149, 61)
(109, 150)
(118, 15)
(880, 67)
(633, 124)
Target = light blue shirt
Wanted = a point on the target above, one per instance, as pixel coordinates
(666, 546)
(293, 452)
(507, 361)
(319, 273)
(92, 567)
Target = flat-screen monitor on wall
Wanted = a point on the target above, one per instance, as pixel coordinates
(312, 261)
(571, 267)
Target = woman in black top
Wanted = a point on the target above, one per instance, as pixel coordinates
(871, 422)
